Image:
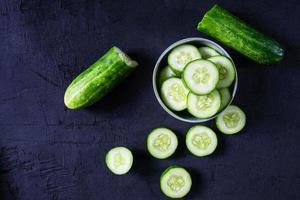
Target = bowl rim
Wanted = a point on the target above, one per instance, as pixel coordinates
(157, 66)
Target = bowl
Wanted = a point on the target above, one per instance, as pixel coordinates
(162, 62)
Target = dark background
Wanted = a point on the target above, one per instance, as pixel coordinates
(50, 152)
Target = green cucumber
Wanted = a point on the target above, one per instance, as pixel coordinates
(204, 106)
(162, 143)
(175, 182)
(235, 33)
(201, 140)
(119, 160)
(182, 55)
(226, 70)
(174, 94)
(164, 74)
(232, 120)
(99, 79)
(225, 97)
(207, 52)
(201, 76)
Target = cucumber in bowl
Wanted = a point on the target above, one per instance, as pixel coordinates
(175, 182)
(207, 52)
(182, 55)
(174, 94)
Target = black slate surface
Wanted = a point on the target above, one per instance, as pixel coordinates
(49, 152)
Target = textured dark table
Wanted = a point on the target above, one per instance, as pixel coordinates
(49, 152)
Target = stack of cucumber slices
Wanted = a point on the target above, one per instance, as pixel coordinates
(196, 80)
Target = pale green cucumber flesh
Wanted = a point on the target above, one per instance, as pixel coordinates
(225, 97)
(99, 79)
(207, 52)
(226, 70)
(119, 160)
(174, 94)
(201, 76)
(161, 143)
(235, 33)
(232, 120)
(201, 140)
(175, 182)
(181, 55)
(204, 106)
(164, 74)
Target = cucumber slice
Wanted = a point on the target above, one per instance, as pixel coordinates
(204, 106)
(231, 121)
(182, 55)
(175, 182)
(201, 140)
(164, 74)
(225, 97)
(161, 143)
(226, 70)
(174, 94)
(201, 76)
(207, 52)
(119, 160)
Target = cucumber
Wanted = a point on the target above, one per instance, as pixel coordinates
(226, 70)
(119, 160)
(174, 94)
(162, 143)
(204, 106)
(201, 140)
(207, 52)
(175, 182)
(232, 120)
(182, 55)
(201, 76)
(235, 33)
(99, 79)
(225, 97)
(164, 74)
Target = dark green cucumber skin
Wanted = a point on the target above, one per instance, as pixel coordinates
(235, 33)
(97, 80)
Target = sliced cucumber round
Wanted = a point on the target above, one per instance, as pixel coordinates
(175, 182)
(174, 94)
(207, 52)
(162, 143)
(232, 120)
(119, 160)
(226, 70)
(225, 97)
(182, 55)
(204, 106)
(164, 74)
(201, 140)
(201, 76)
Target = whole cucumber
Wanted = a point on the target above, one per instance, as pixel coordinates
(99, 79)
(235, 33)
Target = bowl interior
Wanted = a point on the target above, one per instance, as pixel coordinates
(162, 62)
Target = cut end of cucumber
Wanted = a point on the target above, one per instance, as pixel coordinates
(162, 143)
(119, 160)
(124, 57)
(231, 121)
(201, 140)
(175, 182)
